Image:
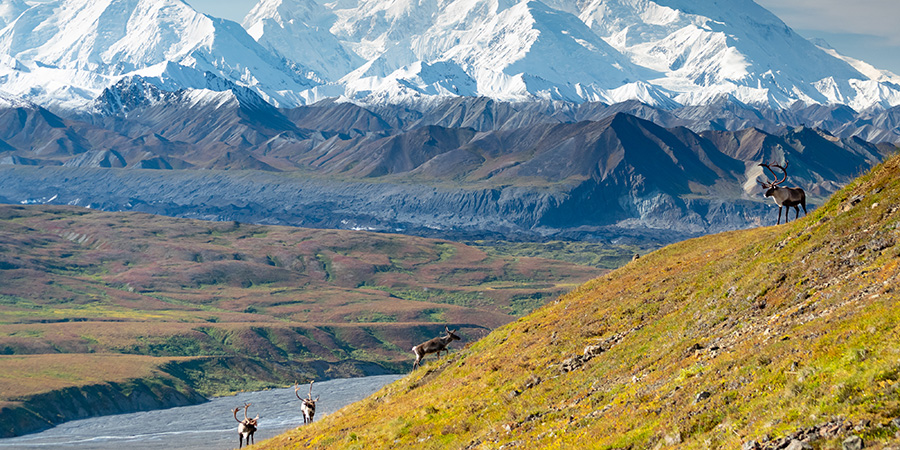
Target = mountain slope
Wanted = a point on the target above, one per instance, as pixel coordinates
(298, 31)
(662, 53)
(665, 53)
(736, 47)
(763, 335)
(500, 49)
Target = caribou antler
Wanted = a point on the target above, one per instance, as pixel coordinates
(774, 175)
(783, 171)
(246, 405)
(308, 396)
(246, 427)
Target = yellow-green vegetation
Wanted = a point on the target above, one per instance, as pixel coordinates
(27, 374)
(68, 264)
(708, 343)
(596, 254)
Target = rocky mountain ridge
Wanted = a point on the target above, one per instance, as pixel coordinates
(371, 170)
(390, 137)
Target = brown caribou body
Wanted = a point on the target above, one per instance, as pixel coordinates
(308, 408)
(789, 197)
(246, 427)
(436, 345)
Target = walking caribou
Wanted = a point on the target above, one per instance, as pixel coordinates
(436, 345)
(790, 197)
(308, 408)
(246, 427)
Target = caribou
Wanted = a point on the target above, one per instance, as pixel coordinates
(789, 197)
(436, 345)
(308, 408)
(246, 427)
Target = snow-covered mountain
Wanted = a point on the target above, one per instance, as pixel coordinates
(667, 53)
(65, 53)
(863, 67)
(298, 30)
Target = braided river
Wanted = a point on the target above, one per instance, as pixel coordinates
(210, 425)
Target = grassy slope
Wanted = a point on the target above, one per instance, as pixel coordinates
(784, 327)
(27, 374)
(81, 282)
(593, 254)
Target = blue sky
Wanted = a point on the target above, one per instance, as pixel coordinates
(864, 29)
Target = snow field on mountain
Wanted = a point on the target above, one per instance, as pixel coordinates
(62, 54)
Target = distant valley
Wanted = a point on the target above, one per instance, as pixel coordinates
(175, 308)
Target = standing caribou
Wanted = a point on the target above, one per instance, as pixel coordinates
(308, 408)
(436, 345)
(784, 196)
(246, 427)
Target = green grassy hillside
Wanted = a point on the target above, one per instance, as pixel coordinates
(760, 335)
(221, 307)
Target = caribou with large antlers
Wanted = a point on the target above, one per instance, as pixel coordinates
(436, 345)
(308, 408)
(790, 197)
(246, 427)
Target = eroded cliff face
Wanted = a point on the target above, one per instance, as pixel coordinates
(42, 411)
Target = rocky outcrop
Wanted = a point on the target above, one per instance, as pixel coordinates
(846, 431)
